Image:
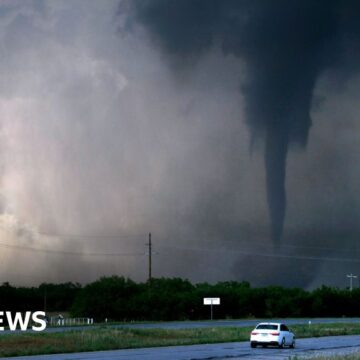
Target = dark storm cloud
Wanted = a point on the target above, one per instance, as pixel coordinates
(100, 136)
(286, 45)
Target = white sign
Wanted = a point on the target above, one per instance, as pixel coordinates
(211, 301)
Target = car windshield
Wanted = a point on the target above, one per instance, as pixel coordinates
(267, 327)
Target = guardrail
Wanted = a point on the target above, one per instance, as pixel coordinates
(61, 321)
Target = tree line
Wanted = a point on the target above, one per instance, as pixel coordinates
(120, 299)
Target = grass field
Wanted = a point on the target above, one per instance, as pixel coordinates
(107, 338)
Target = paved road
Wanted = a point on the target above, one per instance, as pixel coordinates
(240, 323)
(305, 348)
(200, 324)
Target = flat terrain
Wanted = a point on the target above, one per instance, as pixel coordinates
(112, 338)
(205, 324)
(236, 323)
(306, 348)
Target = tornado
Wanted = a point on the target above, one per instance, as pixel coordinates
(286, 45)
(275, 164)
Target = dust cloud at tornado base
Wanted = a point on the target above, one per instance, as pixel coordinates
(100, 137)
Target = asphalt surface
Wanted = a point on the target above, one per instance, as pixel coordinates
(239, 323)
(305, 348)
(201, 324)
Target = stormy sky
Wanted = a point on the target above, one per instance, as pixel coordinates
(227, 129)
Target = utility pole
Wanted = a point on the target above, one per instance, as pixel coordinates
(351, 277)
(150, 250)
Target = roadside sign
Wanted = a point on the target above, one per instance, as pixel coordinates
(211, 301)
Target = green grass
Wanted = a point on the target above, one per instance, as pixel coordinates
(108, 338)
(112, 338)
(318, 330)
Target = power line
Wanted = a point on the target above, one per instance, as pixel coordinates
(44, 250)
(263, 242)
(250, 253)
(96, 236)
(241, 252)
(141, 236)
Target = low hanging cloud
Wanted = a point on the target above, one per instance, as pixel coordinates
(285, 45)
(104, 142)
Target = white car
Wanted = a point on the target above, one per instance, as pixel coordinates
(272, 334)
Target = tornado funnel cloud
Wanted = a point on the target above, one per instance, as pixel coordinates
(285, 46)
(276, 146)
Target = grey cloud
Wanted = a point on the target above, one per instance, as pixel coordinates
(100, 136)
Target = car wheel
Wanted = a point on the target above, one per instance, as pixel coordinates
(282, 344)
(253, 344)
(292, 346)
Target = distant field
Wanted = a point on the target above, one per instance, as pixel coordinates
(106, 338)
